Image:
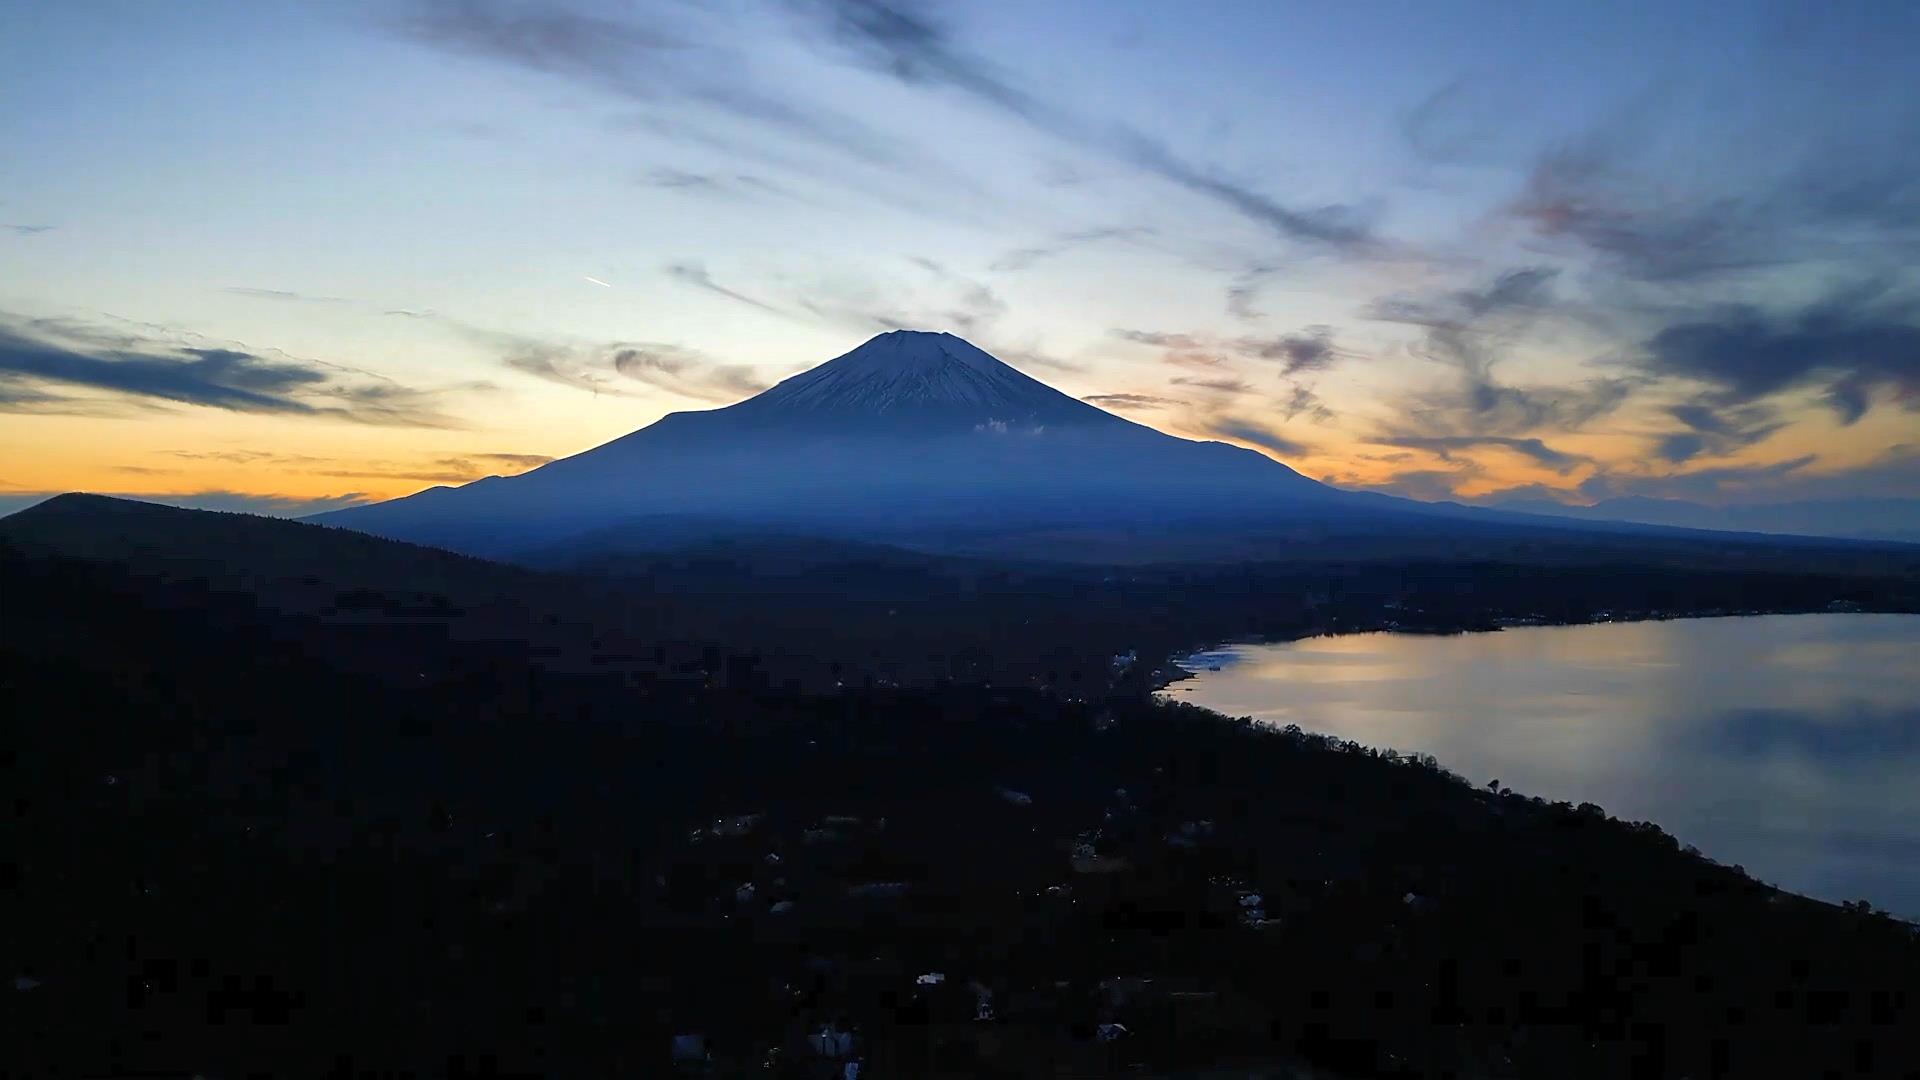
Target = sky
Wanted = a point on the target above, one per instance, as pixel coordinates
(288, 257)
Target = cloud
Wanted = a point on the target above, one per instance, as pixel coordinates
(441, 476)
(939, 298)
(244, 457)
(1130, 401)
(1711, 484)
(908, 45)
(689, 57)
(37, 354)
(1247, 431)
(1430, 485)
(681, 180)
(566, 365)
(1469, 331)
(644, 55)
(1024, 258)
(446, 470)
(516, 462)
(1853, 199)
(686, 372)
(1164, 341)
(695, 275)
(1310, 350)
(1852, 346)
(1569, 195)
(1526, 289)
(1245, 289)
(28, 230)
(613, 367)
(1444, 447)
(282, 294)
(1302, 401)
(1218, 386)
(976, 304)
(16, 396)
(1026, 357)
(1715, 430)
(732, 185)
(1441, 129)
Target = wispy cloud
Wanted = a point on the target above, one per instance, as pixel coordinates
(1302, 401)
(1445, 448)
(1248, 431)
(28, 230)
(445, 470)
(244, 457)
(1852, 346)
(1310, 350)
(1305, 352)
(43, 361)
(515, 462)
(568, 365)
(620, 367)
(283, 294)
(727, 184)
(975, 304)
(1469, 331)
(908, 45)
(1131, 401)
(648, 54)
(1714, 429)
(1244, 292)
(695, 275)
(1229, 386)
(1156, 338)
(686, 372)
(1613, 194)
(1027, 357)
(1063, 243)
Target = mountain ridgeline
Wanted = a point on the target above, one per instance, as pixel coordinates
(910, 430)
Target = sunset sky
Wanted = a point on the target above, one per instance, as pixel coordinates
(285, 257)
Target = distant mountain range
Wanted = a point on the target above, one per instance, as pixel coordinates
(1857, 519)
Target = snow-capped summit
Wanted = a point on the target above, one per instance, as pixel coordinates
(918, 377)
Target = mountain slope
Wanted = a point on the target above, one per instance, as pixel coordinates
(1891, 519)
(909, 430)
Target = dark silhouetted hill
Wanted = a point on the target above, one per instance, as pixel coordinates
(235, 850)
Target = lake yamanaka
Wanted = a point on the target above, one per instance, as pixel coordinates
(1788, 744)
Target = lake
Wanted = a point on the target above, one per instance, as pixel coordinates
(1788, 744)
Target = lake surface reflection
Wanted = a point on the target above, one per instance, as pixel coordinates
(1789, 744)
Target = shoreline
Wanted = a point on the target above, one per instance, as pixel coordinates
(1180, 672)
(1172, 670)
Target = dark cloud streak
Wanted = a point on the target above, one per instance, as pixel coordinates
(642, 59)
(138, 370)
(908, 45)
(695, 275)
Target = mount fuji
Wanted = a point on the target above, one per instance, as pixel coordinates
(910, 431)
